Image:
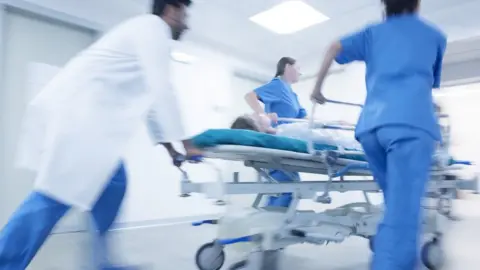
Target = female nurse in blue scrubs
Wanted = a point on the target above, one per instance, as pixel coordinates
(279, 100)
(397, 128)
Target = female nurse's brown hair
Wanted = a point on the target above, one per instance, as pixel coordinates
(282, 63)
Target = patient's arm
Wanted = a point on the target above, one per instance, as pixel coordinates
(271, 130)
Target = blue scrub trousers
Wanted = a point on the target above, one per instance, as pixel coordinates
(284, 199)
(34, 220)
(400, 158)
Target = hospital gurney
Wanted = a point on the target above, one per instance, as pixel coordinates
(290, 226)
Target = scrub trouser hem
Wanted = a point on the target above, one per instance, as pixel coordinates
(34, 220)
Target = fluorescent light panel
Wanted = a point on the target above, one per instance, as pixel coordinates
(289, 17)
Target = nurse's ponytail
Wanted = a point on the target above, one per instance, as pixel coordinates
(398, 7)
(282, 63)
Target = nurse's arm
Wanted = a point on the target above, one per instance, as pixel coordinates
(437, 69)
(330, 55)
(253, 101)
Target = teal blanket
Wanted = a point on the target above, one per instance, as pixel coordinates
(214, 137)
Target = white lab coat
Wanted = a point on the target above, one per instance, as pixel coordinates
(77, 129)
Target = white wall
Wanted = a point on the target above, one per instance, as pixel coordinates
(347, 85)
(20, 30)
(461, 104)
(104, 13)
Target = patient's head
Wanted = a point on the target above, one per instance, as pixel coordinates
(245, 122)
(255, 122)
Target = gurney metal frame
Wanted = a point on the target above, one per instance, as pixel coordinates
(333, 225)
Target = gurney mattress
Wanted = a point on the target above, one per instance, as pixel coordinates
(218, 137)
(233, 137)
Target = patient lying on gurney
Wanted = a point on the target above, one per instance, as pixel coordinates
(261, 123)
(299, 131)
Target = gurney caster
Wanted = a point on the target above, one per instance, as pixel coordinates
(210, 256)
(433, 255)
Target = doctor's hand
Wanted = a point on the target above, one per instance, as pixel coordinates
(177, 158)
(318, 97)
(194, 155)
(192, 152)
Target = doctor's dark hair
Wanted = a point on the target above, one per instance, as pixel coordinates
(397, 7)
(282, 63)
(158, 6)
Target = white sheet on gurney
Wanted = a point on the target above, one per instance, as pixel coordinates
(301, 131)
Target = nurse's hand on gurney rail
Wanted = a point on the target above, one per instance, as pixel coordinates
(318, 97)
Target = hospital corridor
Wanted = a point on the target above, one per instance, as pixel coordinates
(239, 135)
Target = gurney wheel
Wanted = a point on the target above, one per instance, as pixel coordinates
(210, 256)
(433, 256)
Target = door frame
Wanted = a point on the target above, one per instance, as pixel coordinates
(35, 10)
(30, 9)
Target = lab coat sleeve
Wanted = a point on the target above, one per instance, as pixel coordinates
(353, 48)
(164, 120)
(437, 69)
(153, 50)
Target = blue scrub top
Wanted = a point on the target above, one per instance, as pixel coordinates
(403, 57)
(278, 97)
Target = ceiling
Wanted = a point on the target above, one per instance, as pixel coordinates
(224, 25)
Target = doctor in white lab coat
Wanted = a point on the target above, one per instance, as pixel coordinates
(85, 118)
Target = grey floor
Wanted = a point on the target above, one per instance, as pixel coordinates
(173, 247)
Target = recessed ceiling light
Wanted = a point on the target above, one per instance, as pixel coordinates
(182, 57)
(289, 17)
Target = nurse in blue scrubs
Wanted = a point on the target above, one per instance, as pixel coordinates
(279, 100)
(397, 128)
